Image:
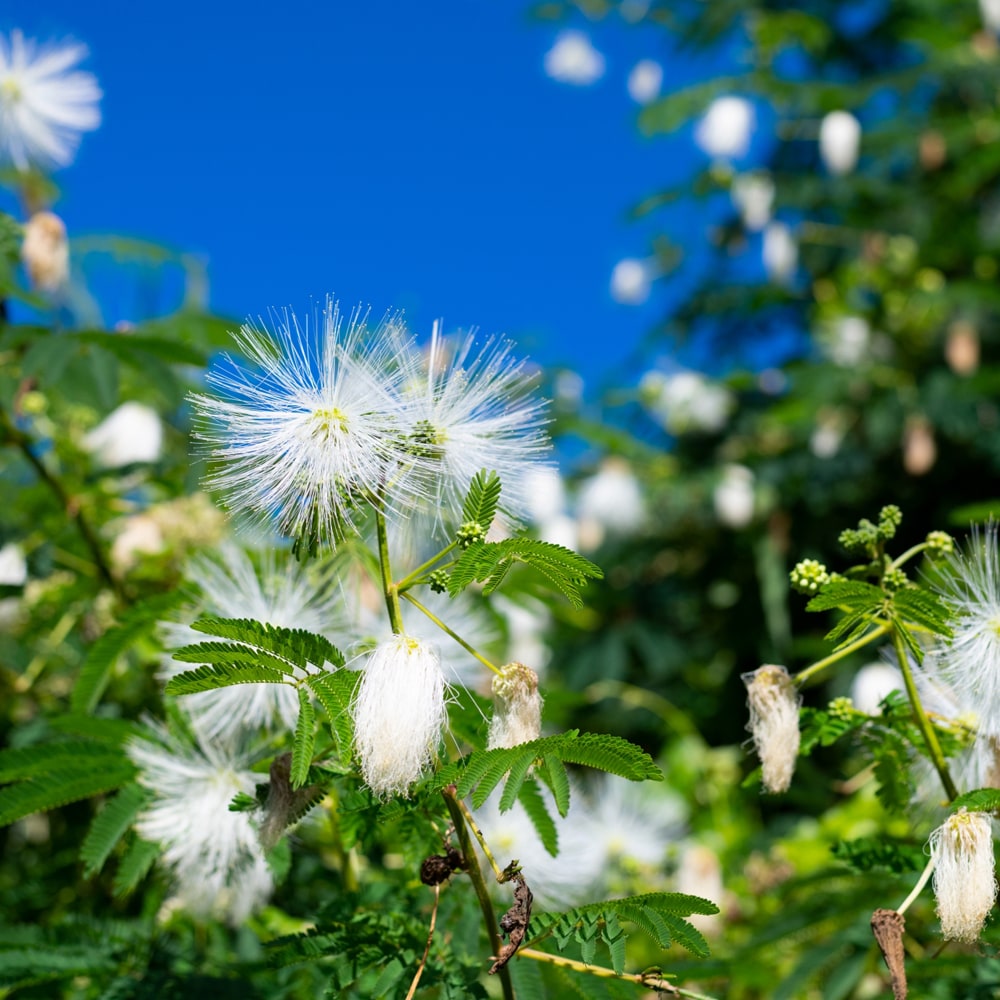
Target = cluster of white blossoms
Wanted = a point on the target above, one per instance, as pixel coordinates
(45, 103)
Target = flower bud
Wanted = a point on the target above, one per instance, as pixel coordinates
(774, 723)
(964, 880)
(517, 707)
(45, 252)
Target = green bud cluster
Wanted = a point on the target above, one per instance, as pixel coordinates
(469, 532)
(895, 579)
(438, 581)
(939, 543)
(889, 519)
(841, 708)
(865, 539)
(808, 576)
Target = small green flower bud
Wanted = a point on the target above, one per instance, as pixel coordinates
(939, 543)
(469, 532)
(808, 576)
(438, 581)
(889, 519)
(841, 708)
(895, 579)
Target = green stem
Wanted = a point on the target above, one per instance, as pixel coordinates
(809, 672)
(454, 805)
(411, 578)
(70, 506)
(654, 982)
(917, 889)
(389, 589)
(908, 554)
(444, 628)
(923, 723)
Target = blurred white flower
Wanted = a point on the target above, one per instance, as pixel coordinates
(780, 253)
(989, 10)
(545, 493)
(573, 59)
(527, 625)
(45, 252)
(919, 446)
(139, 535)
(13, 565)
(726, 127)
(631, 281)
(839, 142)
(611, 499)
(560, 529)
(753, 196)
(961, 349)
(645, 81)
(965, 883)
(44, 103)
(131, 433)
(847, 339)
(568, 388)
(733, 497)
(699, 873)
(827, 436)
(214, 855)
(872, 683)
(232, 587)
(517, 707)
(399, 714)
(774, 723)
(686, 401)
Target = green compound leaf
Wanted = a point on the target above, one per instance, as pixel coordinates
(490, 562)
(134, 866)
(335, 692)
(209, 678)
(58, 786)
(980, 800)
(850, 595)
(297, 646)
(110, 825)
(534, 805)
(483, 498)
(304, 742)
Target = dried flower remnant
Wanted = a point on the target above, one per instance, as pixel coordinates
(964, 879)
(517, 707)
(45, 252)
(774, 723)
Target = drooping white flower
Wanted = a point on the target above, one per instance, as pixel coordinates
(970, 586)
(774, 723)
(645, 81)
(611, 501)
(517, 707)
(45, 252)
(472, 409)
(753, 196)
(733, 497)
(964, 879)
(686, 401)
(726, 127)
(780, 253)
(839, 142)
(288, 596)
(13, 565)
(573, 59)
(44, 103)
(131, 433)
(630, 281)
(399, 714)
(313, 426)
(214, 855)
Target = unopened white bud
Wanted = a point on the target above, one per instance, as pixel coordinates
(399, 713)
(45, 252)
(774, 723)
(964, 880)
(517, 707)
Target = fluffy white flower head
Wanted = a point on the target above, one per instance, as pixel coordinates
(780, 253)
(13, 565)
(44, 103)
(971, 587)
(517, 707)
(630, 281)
(686, 401)
(964, 880)
(645, 81)
(726, 127)
(288, 597)
(611, 499)
(471, 410)
(839, 142)
(399, 713)
(753, 196)
(573, 59)
(312, 426)
(733, 497)
(213, 854)
(774, 723)
(131, 433)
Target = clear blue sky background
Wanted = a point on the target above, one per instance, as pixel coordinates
(401, 155)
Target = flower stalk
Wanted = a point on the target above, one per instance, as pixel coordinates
(445, 628)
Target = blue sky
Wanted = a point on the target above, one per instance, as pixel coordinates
(406, 156)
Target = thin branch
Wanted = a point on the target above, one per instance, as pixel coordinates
(427, 948)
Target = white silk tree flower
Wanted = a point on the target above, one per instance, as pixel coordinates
(839, 142)
(965, 883)
(13, 566)
(44, 103)
(288, 596)
(399, 714)
(213, 855)
(726, 127)
(610, 502)
(753, 196)
(517, 707)
(631, 281)
(734, 497)
(131, 433)
(307, 425)
(472, 409)
(645, 81)
(780, 253)
(574, 60)
(774, 723)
